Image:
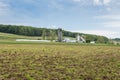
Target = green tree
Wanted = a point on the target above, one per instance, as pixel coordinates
(52, 35)
(44, 34)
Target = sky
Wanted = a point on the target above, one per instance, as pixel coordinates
(100, 17)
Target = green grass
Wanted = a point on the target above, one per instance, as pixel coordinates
(54, 43)
(59, 62)
(13, 37)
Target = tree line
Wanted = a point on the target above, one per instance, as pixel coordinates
(45, 32)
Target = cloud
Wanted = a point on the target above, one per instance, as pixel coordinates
(110, 17)
(2, 5)
(112, 24)
(109, 9)
(76, 0)
(55, 5)
(112, 21)
(97, 2)
(4, 9)
(105, 2)
(101, 2)
(30, 1)
(107, 33)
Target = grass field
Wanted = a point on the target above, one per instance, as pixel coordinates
(59, 62)
(13, 37)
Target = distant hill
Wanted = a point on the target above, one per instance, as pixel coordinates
(45, 32)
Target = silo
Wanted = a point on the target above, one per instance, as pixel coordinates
(78, 38)
(59, 34)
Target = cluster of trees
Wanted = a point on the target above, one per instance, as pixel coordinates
(48, 33)
(97, 39)
(21, 30)
(117, 39)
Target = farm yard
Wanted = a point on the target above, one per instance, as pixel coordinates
(59, 40)
(59, 62)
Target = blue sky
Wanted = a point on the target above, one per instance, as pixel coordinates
(101, 17)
